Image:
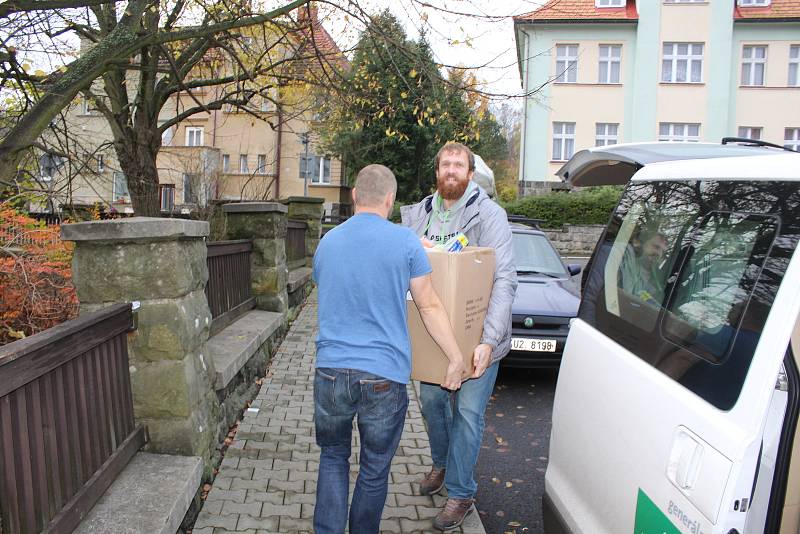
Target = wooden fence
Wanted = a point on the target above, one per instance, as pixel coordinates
(295, 244)
(66, 421)
(228, 290)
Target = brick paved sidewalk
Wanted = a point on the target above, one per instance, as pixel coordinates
(267, 481)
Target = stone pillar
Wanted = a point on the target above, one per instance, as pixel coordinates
(265, 224)
(309, 210)
(162, 264)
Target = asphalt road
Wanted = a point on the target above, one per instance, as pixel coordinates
(513, 457)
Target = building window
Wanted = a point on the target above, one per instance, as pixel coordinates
(48, 166)
(563, 140)
(321, 170)
(194, 136)
(226, 163)
(101, 163)
(119, 191)
(609, 63)
(266, 104)
(567, 63)
(678, 131)
(794, 61)
(606, 134)
(243, 164)
(754, 60)
(750, 132)
(86, 107)
(753, 3)
(682, 63)
(262, 164)
(188, 188)
(167, 194)
(609, 3)
(791, 138)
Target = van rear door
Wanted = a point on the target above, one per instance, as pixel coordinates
(669, 370)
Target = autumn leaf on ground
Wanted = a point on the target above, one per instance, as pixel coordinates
(509, 484)
(495, 480)
(499, 415)
(500, 513)
(498, 439)
(514, 524)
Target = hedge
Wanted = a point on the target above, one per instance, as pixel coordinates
(586, 206)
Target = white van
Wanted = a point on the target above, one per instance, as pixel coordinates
(678, 395)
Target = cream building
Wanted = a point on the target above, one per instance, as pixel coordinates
(612, 71)
(268, 151)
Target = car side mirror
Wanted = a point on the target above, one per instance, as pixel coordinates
(574, 269)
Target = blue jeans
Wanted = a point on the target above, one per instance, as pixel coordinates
(340, 394)
(455, 424)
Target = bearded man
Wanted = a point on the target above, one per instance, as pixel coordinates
(455, 420)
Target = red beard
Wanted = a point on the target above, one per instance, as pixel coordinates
(451, 191)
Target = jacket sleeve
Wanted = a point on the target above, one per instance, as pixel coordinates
(496, 233)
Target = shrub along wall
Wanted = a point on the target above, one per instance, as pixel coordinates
(583, 207)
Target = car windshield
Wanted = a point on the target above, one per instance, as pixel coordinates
(532, 253)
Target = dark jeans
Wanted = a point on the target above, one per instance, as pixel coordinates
(340, 394)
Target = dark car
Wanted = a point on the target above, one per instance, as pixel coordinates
(547, 298)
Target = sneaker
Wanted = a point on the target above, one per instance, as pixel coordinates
(453, 514)
(433, 482)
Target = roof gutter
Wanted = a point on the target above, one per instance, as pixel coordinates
(767, 20)
(576, 21)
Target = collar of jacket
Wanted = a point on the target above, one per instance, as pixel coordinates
(473, 218)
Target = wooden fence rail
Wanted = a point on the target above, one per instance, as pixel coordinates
(295, 244)
(66, 421)
(228, 290)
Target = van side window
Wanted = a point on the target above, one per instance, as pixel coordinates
(685, 275)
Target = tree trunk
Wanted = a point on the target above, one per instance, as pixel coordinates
(138, 162)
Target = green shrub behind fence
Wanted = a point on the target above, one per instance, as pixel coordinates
(587, 206)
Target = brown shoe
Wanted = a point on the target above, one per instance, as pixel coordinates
(453, 514)
(433, 482)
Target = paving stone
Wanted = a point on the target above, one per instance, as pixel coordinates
(217, 494)
(255, 484)
(281, 510)
(269, 524)
(292, 524)
(253, 508)
(271, 497)
(409, 512)
(216, 520)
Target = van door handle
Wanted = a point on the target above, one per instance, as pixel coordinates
(689, 466)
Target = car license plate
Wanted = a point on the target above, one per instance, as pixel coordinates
(533, 345)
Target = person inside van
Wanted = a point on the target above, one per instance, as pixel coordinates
(640, 271)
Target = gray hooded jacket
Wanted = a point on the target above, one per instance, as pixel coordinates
(485, 224)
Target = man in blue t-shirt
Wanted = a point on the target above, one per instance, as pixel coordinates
(364, 268)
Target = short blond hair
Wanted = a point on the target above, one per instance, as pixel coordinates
(372, 184)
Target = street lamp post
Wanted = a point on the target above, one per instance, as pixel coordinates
(305, 139)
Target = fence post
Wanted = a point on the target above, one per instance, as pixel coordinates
(162, 264)
(265, 224)
(310, 210)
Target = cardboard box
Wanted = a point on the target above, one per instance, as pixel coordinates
(463, 280)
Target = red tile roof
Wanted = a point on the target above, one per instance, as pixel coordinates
(580, 11)
(777, 9)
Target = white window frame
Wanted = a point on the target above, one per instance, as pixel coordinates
(117, 195)
(261, 165)
(750, 132)
(566, 63)
(187, 188)
(563, 140)
(193, 135)
(753, 3)
(678, 132)
(603, 135)
(167, 136)
(243, 167)
(607, 61)
(609, 3)
(791, 138)
(672, 59)
(167, 192)
(749, 77)
(318, 175)
(49, 162)
(226, 163)
(794, 66)
(101, 163)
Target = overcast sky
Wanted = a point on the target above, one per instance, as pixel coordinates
(484, 39)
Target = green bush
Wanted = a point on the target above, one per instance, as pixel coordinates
(587, 206)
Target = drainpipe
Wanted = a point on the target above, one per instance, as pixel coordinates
(278, 152)
(526, 69)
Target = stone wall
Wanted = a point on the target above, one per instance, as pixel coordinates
(527, 188)
(576, 240)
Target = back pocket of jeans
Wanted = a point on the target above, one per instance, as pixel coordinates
(325, 391)
(380, 397)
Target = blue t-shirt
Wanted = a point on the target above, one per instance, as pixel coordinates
(363, 269)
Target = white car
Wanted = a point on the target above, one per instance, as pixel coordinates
(678, 396)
